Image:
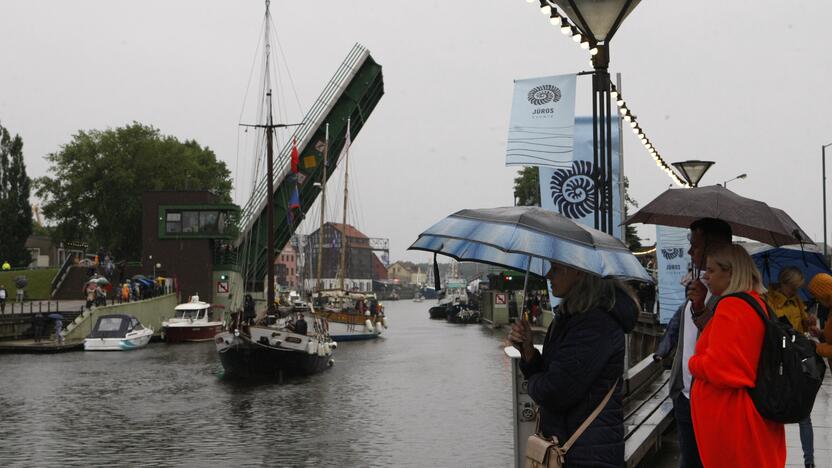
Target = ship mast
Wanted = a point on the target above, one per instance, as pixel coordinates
(323, 209)
(344, 238)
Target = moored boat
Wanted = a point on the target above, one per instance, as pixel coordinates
(351, 316)
(191, 322)
(117, 332)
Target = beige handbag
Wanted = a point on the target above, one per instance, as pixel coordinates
(548, 453)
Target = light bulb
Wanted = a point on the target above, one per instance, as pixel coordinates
(565, 28)
(585, 44)
(620, 101)
(577, 37)
(633, 124)
(614, 94)
(593, 51)
(545, 10)
(554, 20)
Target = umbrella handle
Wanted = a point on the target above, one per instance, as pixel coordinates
(525, 287)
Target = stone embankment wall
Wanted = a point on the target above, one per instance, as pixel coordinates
(150, 312)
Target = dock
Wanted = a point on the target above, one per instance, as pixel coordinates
(43, 346)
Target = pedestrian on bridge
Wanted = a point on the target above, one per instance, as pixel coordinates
(3, 294)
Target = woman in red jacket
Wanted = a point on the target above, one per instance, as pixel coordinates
(729, 430)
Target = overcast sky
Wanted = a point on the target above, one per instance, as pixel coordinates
(746, 86)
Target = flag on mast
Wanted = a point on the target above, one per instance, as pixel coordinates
(295, 156)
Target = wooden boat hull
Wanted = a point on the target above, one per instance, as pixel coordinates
(190, 333)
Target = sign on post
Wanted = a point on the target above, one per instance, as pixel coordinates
(222, 287)
(500, 299)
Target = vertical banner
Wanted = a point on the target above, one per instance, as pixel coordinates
(673, 262)
(569, 188)
(540, 132)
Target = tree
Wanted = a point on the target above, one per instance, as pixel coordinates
(527, 187)
(631, 237)
(15, 210)
(98, 178)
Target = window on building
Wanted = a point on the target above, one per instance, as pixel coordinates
(190, 222)
(173, 222)
(209, 222)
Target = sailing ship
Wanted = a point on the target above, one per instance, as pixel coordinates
(350, 315)
(265, 346)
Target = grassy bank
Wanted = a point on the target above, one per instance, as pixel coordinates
(40, 282)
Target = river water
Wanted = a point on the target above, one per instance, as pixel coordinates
(428, 393)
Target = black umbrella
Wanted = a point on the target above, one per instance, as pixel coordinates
(748, 218)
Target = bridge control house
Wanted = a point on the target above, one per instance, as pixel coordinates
(184, 236)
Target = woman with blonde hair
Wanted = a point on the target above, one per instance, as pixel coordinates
(729, 429)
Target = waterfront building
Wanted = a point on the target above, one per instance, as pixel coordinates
(361, 263)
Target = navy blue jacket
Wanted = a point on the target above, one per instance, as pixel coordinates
(583, 355)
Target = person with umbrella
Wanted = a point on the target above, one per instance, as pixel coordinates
(784, 300)
(59, 324)
(582, 360)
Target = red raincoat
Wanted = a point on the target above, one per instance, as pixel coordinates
(729, 430)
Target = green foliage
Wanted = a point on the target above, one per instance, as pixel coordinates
(39, 285)
(15, 209)
(631, 237)
(94, 193)
(527, 187)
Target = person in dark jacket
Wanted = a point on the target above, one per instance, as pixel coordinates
(583, 357)
(300, 325)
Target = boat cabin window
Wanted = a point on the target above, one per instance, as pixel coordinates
(135, 325)
(190, 314)
(109, 324)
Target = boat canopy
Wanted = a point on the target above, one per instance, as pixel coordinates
(115, 326)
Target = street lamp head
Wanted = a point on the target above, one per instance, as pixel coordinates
(693, 170)
(742, 176)
(597, 19)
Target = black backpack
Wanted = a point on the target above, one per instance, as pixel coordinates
(789, 373)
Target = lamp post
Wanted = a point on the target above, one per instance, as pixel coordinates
(741, 176)
(823, 162)
(596, 23)
(693, 170)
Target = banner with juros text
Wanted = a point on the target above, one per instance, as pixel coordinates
(673, 263)
(542, 122)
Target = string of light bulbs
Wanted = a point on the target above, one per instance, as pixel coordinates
(567, 28)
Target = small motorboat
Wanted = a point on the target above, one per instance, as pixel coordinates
(462, 314)
(117, 332)
(191, 322)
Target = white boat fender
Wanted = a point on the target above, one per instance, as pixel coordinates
(378, 327)
(327, 349)
(368, 325)
(333, 344)
(331, 362)
(384, 321)
(311, 347)
(321, 350)
(366, 313)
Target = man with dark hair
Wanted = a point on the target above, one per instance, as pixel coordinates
(300, 325)
(705, 234)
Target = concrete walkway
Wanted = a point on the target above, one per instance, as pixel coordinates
(668, 455)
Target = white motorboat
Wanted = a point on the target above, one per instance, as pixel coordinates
(117, 332)
(191, 322)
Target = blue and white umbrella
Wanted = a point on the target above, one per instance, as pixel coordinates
(771, 260)
(527, 238)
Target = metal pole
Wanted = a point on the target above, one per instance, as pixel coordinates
(622, 196)
(823, 162)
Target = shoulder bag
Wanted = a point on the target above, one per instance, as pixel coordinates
(549, 453)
